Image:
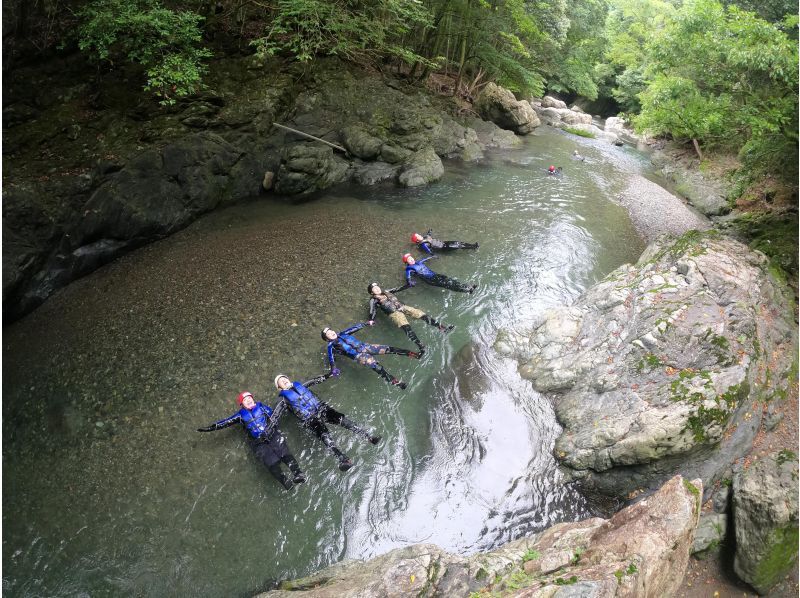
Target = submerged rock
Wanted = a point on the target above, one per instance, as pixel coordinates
(766, 523)
(662, 366)
(641, 551)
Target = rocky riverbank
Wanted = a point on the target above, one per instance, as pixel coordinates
(90, 178)
(641, 551)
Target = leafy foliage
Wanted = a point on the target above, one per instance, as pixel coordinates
(742, 94)
(305, 29)
(166, 43)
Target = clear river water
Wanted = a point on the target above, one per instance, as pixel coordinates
(108, 490)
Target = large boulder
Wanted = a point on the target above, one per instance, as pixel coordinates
(706, 194)
(616, 126)
(765, 514)
(551, 102)
(421, 168)
(641, 551)
(661, 366)
(499, 105)
(309, 167)
(711, 531)
(492, 136)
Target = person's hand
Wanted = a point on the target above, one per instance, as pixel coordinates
(411, 284)
(370, 322)
(335, 372)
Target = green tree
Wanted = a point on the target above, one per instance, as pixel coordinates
(726, 78)
(166, 43)
(305, 29)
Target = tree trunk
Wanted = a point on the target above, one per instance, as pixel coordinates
(697, 148)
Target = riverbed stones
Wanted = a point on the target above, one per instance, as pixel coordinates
(765, 508)
(661, 366)
(499, 105)
(641, 551)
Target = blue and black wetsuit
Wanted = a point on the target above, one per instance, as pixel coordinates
(315, 413)
(429, 244)
(360, 352)
(433, 278)
(266, 440)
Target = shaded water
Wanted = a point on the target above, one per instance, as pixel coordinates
(107, 488)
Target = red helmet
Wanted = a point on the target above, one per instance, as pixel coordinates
(552, 168)
(416, 238)
(406, 257)
(244, 395)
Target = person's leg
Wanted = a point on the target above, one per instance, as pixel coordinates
(335, 417)
(414, 338)
(321, 431)
(406, 352)
(271, 458)
(370, 362)
(451, 284)
(460, 245)
(275, 470)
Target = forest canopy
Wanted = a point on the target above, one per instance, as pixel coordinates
(718, 74)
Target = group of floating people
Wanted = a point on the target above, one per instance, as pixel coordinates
(261, 421)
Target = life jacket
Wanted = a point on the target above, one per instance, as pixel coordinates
(302, 401)
(256, 419)
(348, 344)
(391, 304)
(420, 270)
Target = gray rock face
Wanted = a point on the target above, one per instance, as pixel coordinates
(642, 551)
(710, 532)
(765, 512)
(551, 102)
(659, 367)
(309, 167)
(422, 168)
(707, 195)
(492, 136)
(499, 105)
(616, 126)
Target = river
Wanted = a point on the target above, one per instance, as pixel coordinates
(109, 490)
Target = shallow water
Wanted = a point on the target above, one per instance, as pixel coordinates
(108, 489)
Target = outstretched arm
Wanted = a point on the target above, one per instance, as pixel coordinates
(430, 257)
(353, 328)
(426, 247)
(317, 379)
(275, 418)
(402, 288)
(373, 309)
(223, 423)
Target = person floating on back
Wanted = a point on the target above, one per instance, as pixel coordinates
(397, 312)
(577, 156)
(418, 268)
(265, 438)
(552, 170)
(428, 243)
(344, 343)
(314, 413)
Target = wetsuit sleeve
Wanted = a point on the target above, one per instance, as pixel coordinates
(409, 271)
(373, 308)
(316, 380)
(426, 247)
(398, 289)
(330, 355)
(353, 328)
(275, 418)
(223, 423)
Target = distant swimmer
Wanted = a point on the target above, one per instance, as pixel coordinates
(397, 312)
(414, 267)
(315, 413)
(266, 439)
(553, 171)
(577, 156)
(344, 343)
(428, 243)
